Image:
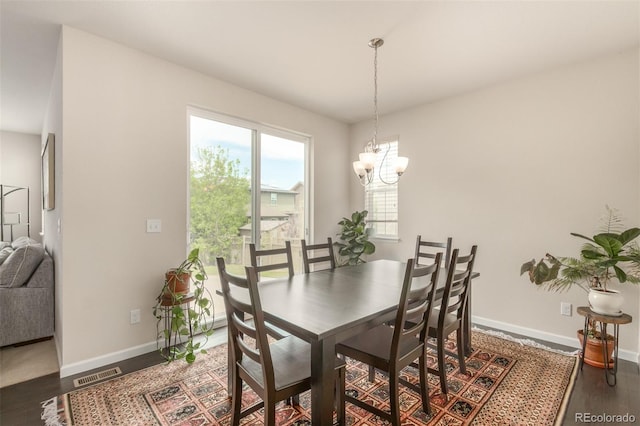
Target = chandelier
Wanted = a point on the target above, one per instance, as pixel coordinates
(364, 167)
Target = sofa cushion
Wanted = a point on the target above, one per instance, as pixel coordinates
(5, 252)
(16, 270)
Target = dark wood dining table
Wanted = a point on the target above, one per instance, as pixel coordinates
(326, 307)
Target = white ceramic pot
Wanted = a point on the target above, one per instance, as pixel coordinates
(607, 302)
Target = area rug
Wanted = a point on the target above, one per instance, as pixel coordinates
(507, 383)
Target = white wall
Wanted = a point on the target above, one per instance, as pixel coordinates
(515, 168)
(20, 166)
(124, 154)
(52, 218)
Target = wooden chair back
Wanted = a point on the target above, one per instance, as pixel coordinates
(429, 249)
(261, 264)
(459, 272)
(247, 338)
(416, 302)
(327, 254)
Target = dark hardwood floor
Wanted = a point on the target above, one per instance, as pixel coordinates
(592, 396)
(20, 403)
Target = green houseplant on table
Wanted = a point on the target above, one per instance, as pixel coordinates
(354, 239)
(611, 255)
(181, 312)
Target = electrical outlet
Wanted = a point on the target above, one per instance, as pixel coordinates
(134, 316)
(154, 225)
(565, 309)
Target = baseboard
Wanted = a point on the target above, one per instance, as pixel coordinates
(571, 342)
(111, 358)
(114, 357)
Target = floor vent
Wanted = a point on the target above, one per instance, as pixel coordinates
(96, 377)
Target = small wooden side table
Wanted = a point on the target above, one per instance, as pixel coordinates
(168, 304)
(610, 372)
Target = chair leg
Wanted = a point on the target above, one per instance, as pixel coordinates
(294, 401)
(236, 398)
(269, 412)
(461, 351)
(394, 398)
(372, 374)
(230, 365)
(424, 385)
(339, 399)
(442, 370)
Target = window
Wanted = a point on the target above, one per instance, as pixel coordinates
(380, 198)
(247, 185)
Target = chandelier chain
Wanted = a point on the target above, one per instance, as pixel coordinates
(375, 98)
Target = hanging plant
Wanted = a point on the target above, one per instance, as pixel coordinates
(189, 311)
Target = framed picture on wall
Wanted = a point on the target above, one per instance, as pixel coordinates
(48, 173)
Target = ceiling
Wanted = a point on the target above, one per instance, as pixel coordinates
(314, 54)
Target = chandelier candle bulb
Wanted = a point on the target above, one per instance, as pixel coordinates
(368, 160)
(401, 165)
(358, 167)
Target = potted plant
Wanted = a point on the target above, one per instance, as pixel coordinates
(611, 255)
(354, 239)
(182, 313)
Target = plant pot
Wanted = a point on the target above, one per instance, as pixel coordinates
(593, 351)
(606, 302)
(176, 283)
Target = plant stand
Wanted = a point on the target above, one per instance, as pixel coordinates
(167, 304)
(610, 371)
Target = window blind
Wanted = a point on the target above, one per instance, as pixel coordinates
(381, 199)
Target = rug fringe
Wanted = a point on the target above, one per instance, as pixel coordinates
(50, 412)
(523, 342)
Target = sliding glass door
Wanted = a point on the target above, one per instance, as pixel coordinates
(247, 185)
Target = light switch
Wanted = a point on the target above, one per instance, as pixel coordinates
(154, 225)
(565, 309)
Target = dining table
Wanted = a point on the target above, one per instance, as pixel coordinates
(325, 307)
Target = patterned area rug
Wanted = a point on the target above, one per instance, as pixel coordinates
(507, 383)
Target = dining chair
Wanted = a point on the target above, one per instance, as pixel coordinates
(429, 249)
(424, 250)
(260, 263)
(272, 330)
(390, 349)
(274, 369)
(327, 255)
(260, 259)
(449, 316)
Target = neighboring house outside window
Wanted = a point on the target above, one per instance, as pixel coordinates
(381, 199)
